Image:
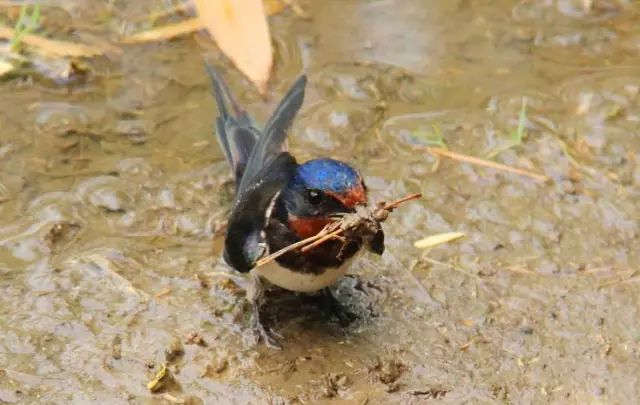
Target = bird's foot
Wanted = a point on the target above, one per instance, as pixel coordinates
(255, 296)
(335, 308)
(268, 336)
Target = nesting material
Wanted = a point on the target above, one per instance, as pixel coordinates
(362, 225)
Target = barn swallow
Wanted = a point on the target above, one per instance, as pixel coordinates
(279, 201)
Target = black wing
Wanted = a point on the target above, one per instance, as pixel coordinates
(236, 133)
(247, 149)
(271, 142)
(260, 164)
(244, 243)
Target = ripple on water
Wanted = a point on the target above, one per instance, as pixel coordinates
(52, 117)
(605, 95)
(104, 192)
(334, 126)
(463, 129)
(559, 11)
(51, 222)
(355, 81)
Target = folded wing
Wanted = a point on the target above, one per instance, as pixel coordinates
(260, 164)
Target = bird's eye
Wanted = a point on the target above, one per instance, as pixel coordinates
(314, 196)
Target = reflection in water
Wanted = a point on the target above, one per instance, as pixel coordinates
(403, 33)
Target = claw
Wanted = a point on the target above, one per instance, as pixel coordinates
(269, 337)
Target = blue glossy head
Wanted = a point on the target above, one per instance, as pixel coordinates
(318, 191)
(328, 175)
(322, 187)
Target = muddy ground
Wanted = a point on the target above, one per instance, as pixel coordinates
(113, 189)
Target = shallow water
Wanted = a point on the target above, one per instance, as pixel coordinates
(115, 189)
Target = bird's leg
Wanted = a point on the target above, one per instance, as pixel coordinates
(255, 295)
(332, 306)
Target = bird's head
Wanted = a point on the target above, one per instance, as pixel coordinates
(319, 191)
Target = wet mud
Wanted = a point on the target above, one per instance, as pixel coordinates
(113, 195)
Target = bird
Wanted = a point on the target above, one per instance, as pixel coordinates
(279, 201)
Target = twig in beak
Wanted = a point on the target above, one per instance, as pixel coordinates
(335, 229)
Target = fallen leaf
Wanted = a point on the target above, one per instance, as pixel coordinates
(188, 26)
(438, 239)
(60, 70)
(5, 67)
(160, 380)
(273, 7)
(240, 29)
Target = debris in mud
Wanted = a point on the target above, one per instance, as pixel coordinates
(333, 383)
(230, 286)
(136, 130)
(162, 293)
(69, 145)
(439, 239)
(434, 392)
(486, 163)
(288, 368)
(188, 400)
(60, 233)
(174, 351)
(165, 32)
(57, 48)
(4, 192)
(161, 381)
(364, 224)
(116, 348)
(388, 372)
(194, 338)
(392, 387)
(465, 346)
(216, 367)
(171, 399)
(203, 280)
(500, 393)
(61, 71)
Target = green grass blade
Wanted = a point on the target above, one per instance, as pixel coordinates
(522, 120)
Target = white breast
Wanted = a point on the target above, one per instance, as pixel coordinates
(302, 282)
(292, 281)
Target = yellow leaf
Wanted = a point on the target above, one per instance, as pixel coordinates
(240, 29)
(439, 239)
(159, 381)
(5, 67)
(273, 7)
(189, 26)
